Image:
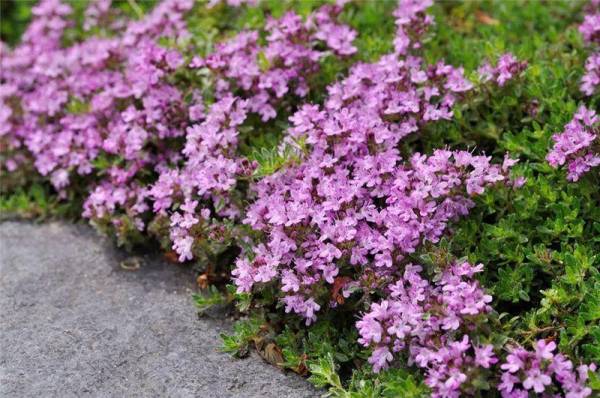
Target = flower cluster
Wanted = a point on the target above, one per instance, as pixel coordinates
(353, 204)
(110, 108)
(411, 23)
(265, 74)
(431, 322)
(578, 145)
(98, 13)
(590, 30)
(436, 324)
(320, 219)
(591, 79)
(209, 174)
(507, 68)
(99, 101)
(211, 165)
(543, 372)
(24, 74)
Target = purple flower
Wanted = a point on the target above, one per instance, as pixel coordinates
(575, 145)
(536, 380)
(591, 79)
(508, 381)
(506, 69)
(590, 30)
(484, 356)
(513, 363)
(542, 368)
(380, 358)
(590, 27)
(544, 350)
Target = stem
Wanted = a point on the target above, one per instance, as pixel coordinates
(136, 8)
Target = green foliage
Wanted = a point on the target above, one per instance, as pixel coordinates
(390, 383)
(272, 159)
(15, 15)
(323, 374)
(328, 351)
(300, 345)
(35, 201)
(244, 332)
(539, 243)
(541, 258)
(209, 298)
(28, 203)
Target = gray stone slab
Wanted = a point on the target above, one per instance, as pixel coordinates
(73, 323)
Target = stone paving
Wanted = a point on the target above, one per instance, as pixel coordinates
(74, 323)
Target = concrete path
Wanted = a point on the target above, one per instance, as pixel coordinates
(73, 323)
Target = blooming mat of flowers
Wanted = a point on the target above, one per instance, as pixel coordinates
(383, 167)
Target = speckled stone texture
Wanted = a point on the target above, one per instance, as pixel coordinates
(74, 323)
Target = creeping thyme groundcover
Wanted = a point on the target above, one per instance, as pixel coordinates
(398, 198)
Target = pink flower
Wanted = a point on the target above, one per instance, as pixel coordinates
(536, 380)
(544, 350)
(380, 358)
(484, 356)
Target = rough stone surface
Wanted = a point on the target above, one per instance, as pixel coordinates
(74, 323)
